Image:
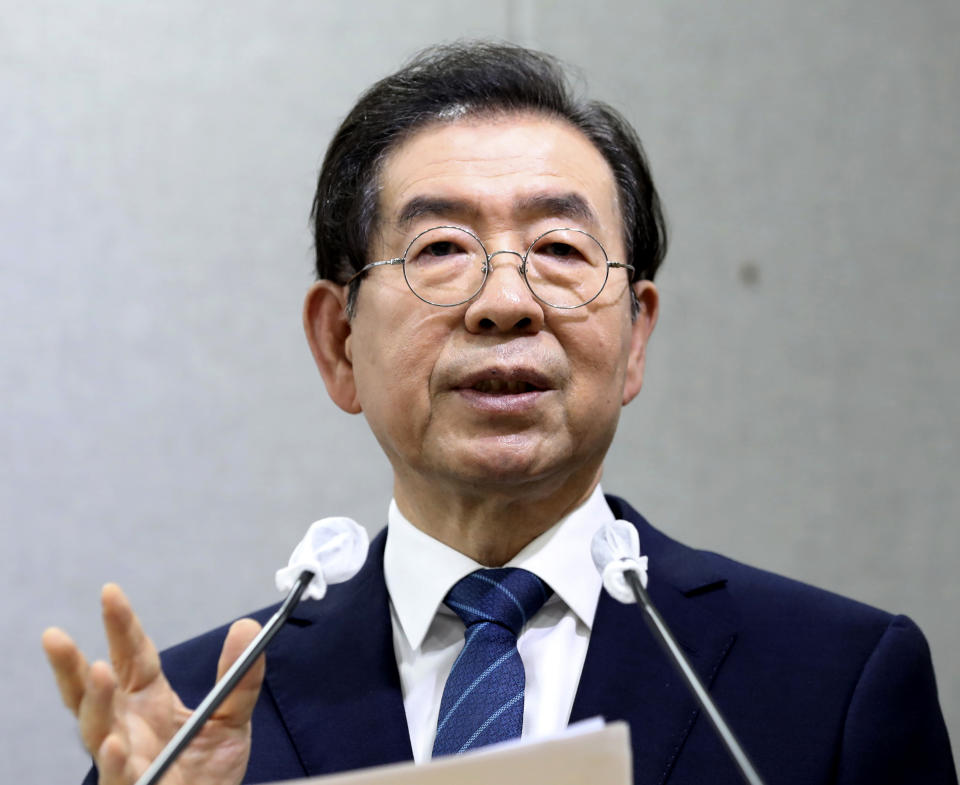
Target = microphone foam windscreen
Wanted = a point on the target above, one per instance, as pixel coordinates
(333, 549)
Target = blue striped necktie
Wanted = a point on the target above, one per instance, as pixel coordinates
(483, 698)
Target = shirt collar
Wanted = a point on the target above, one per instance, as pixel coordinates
(560, 556)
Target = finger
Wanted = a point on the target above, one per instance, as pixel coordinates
(68, 664)
(113, 761)
(135, 659)
(238, 706)
(96, 714)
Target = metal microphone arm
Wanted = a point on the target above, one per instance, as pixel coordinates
(226, 684)
(662, 633)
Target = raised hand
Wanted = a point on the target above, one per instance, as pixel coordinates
(127, 712)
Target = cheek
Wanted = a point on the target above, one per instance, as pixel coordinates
(600, 365)
(391, 378)
(393, 375)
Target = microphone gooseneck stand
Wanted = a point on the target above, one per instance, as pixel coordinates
(662, 633)
(226, 684)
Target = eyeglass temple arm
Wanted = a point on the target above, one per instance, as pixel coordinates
(370, 266)
(629, 267)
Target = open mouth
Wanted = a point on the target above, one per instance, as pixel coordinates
(517, 384)
(504, 387)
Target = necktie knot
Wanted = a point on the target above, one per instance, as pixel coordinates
(507, 596)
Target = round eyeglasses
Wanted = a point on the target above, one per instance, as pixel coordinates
(448, 265)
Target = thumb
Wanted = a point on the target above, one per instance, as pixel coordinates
(238, 706)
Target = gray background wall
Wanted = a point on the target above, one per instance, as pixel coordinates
(162, 424)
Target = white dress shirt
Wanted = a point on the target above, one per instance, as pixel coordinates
(428, 636)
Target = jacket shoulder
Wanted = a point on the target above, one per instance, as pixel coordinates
(760, 596)
(813, 681)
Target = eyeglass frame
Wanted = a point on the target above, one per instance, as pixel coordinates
(522, 268)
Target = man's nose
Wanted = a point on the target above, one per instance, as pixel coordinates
(505, 303)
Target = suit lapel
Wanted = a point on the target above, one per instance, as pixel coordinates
(627, 676)
(333, 675)
(336, 686)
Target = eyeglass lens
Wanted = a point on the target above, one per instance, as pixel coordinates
(564, 267)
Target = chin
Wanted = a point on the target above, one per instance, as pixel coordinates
(509, 461)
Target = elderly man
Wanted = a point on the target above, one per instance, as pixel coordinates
(486, 246)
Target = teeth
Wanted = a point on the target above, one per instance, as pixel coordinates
(501, 387)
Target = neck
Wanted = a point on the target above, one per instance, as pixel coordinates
(491, 526)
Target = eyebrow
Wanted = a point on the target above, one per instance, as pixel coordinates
(566, 205)
(433, 206)
(543, 205)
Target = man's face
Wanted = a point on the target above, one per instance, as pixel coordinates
(502, 391)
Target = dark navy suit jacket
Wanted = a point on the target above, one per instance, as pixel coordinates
(820, 689)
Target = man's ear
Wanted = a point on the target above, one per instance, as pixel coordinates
(328, 333)
(641, 329)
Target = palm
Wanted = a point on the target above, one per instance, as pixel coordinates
(217, 754)
(129, 712)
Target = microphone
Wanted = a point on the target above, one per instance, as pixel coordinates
(616, 553)
(332, 551)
